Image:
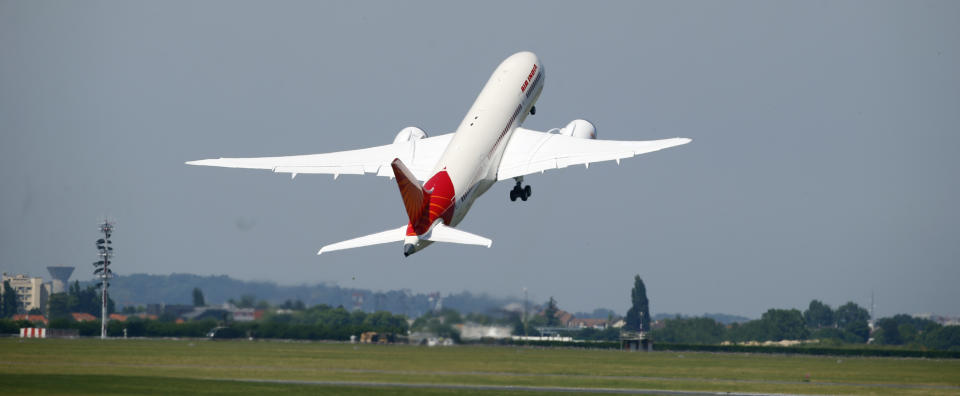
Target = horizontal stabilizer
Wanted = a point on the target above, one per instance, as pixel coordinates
(394, 235)
(443, 233)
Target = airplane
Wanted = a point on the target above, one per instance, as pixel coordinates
(456, 168)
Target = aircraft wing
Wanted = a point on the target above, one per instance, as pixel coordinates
(419, 155)
(531, 151)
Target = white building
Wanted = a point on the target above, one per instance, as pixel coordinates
(473, 331)
(31, 292)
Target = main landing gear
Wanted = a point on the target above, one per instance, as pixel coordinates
(520, 191)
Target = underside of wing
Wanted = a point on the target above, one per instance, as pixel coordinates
(420, 156)
(531, 151)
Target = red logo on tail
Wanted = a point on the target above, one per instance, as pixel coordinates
(424, 205)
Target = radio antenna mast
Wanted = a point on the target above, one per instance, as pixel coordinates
(105, 252)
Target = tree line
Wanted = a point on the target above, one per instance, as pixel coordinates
(320, 322)
(141, 289)
(77, 299)
(848, 324)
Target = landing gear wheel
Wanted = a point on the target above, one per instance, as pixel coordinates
(520, 191)
(533, 110)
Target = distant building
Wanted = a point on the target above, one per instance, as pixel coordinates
(224, 312)
(357, 301)
(473, 331)
(563, 317)
(588, 323)
(32, 318)
(542, 338)
(207, 312)
(175, 310)
(246, 314)
(428, 339)
(82, 317)
(32, 293)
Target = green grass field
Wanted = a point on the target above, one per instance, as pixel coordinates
(92, 366)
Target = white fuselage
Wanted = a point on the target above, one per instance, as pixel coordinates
(473, 155)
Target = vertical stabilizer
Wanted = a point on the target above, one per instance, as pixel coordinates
(410, 190)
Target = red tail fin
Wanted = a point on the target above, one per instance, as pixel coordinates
(410, 190)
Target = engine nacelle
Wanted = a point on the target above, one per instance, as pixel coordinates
(408, 134)
(582, 129)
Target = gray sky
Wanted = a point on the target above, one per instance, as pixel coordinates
(824, 162)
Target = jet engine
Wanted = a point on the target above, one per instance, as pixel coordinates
(409, 134)
(582, 129)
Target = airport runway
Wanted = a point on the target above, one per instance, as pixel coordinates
(550, 389)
